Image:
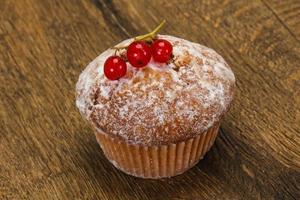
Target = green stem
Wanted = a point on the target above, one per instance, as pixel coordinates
(147, 37)
(150, 36)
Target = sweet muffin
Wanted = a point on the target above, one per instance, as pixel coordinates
(156, 120)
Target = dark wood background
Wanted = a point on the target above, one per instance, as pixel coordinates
(47, 151)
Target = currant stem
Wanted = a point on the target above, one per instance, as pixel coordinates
(147, 37)
(120, 47)
(150, 36)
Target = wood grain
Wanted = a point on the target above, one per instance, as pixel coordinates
(47, 151)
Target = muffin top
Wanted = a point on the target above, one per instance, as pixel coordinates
(159, 103)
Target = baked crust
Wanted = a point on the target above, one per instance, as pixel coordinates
(160, 103)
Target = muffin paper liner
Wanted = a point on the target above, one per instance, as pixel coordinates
(157, 161)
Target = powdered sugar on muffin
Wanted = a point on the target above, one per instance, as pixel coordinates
(160, 103)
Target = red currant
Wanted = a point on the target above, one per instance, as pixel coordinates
(114, 67)
(138, 54)
(161, 50)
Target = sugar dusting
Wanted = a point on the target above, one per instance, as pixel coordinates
(158, 104)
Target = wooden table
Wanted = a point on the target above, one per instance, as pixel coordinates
(47, 151)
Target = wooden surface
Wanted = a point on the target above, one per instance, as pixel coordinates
(47, 151)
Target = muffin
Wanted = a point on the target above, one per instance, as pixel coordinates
(159, 120)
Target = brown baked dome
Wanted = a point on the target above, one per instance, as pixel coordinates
(160, 103)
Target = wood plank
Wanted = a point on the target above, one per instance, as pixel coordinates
(288, 14)
(48, 152)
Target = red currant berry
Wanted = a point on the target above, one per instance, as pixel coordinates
(114, 67)
(138, 54)
(161, 50)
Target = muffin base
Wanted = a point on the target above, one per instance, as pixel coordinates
(157, 161)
